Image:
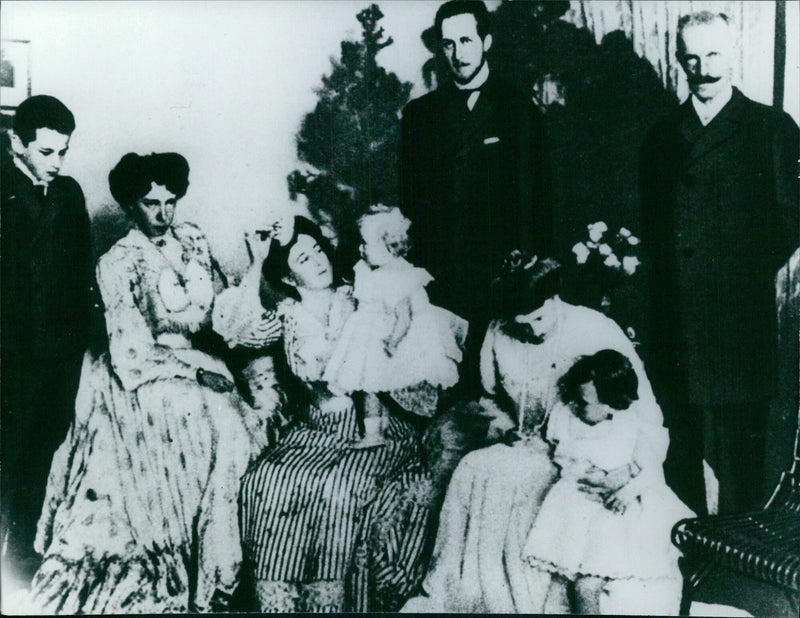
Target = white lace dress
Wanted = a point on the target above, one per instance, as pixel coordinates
(429, 352)
(574, 535)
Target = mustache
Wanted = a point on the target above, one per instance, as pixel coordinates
(522, 332)
(705, 79)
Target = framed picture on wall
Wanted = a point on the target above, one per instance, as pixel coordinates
(15, 73)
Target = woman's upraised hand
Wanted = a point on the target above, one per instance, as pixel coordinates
(258, 244)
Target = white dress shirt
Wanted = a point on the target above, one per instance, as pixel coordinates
(707, 110)
(474, 84)
(24, 169)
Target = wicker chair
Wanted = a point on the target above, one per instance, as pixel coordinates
(764, 545)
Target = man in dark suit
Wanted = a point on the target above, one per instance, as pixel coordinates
(719, 217)
(473, 175)
(47, 273)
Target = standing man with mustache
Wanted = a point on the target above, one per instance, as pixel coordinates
(719, 216)
(474, 175)
(47, 276)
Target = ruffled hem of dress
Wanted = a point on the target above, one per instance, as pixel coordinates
(108, 584)
(551, 567)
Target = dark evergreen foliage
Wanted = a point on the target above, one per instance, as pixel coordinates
(352, 138)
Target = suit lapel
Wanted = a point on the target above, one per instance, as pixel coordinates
(689, 127)
(23, 204)
(454, 120)
(474, 122)
(482, 112)
(21, 193)
(723, 127)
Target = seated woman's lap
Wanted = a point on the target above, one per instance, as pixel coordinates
(303, 501)
(493, 497)
(138, 476)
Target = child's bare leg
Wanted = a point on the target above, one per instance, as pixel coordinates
(587, 593)
(374, 422)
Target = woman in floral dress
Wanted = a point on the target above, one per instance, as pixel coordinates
(141, 510)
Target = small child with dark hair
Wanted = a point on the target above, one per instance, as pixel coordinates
(396, 342)
(624, 534)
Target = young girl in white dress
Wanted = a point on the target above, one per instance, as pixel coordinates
(395, 342)
(593, 539)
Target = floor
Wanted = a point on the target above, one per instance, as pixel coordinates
(723, 588)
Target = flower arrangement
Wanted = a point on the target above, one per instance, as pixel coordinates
(617, 253)
(605, 260)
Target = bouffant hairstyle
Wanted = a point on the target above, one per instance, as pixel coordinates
(524, 284)
(612, 374)
(131, 178)
(276, 267)
(42, 112)
(475, 8)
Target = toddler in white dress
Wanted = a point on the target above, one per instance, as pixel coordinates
(396, 340)
(625, 534)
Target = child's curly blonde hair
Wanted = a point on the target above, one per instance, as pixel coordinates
(387, 225)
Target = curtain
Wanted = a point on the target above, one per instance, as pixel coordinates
(652, 28)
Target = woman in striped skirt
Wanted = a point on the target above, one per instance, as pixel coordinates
(304, 502)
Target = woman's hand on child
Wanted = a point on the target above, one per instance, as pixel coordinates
(621, 499)
(600, 485)
(618, 477)
(334, 404)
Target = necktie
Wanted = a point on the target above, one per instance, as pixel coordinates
(470, 97)
(39, 191)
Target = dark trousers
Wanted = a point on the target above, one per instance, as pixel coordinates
(731, 439)
(683, 467)
(733, 444)
(38, 405)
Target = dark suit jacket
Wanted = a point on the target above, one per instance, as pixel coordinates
(47, 275)
(719, 217)
(474, 185)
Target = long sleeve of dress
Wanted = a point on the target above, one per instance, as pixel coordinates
(488, 361)
(135, 355)
(503, 420)
(306, 354)
(240, 318)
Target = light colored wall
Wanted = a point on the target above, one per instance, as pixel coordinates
(226, 84)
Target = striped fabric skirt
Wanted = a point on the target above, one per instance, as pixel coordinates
(393, 546)
(304, 502)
